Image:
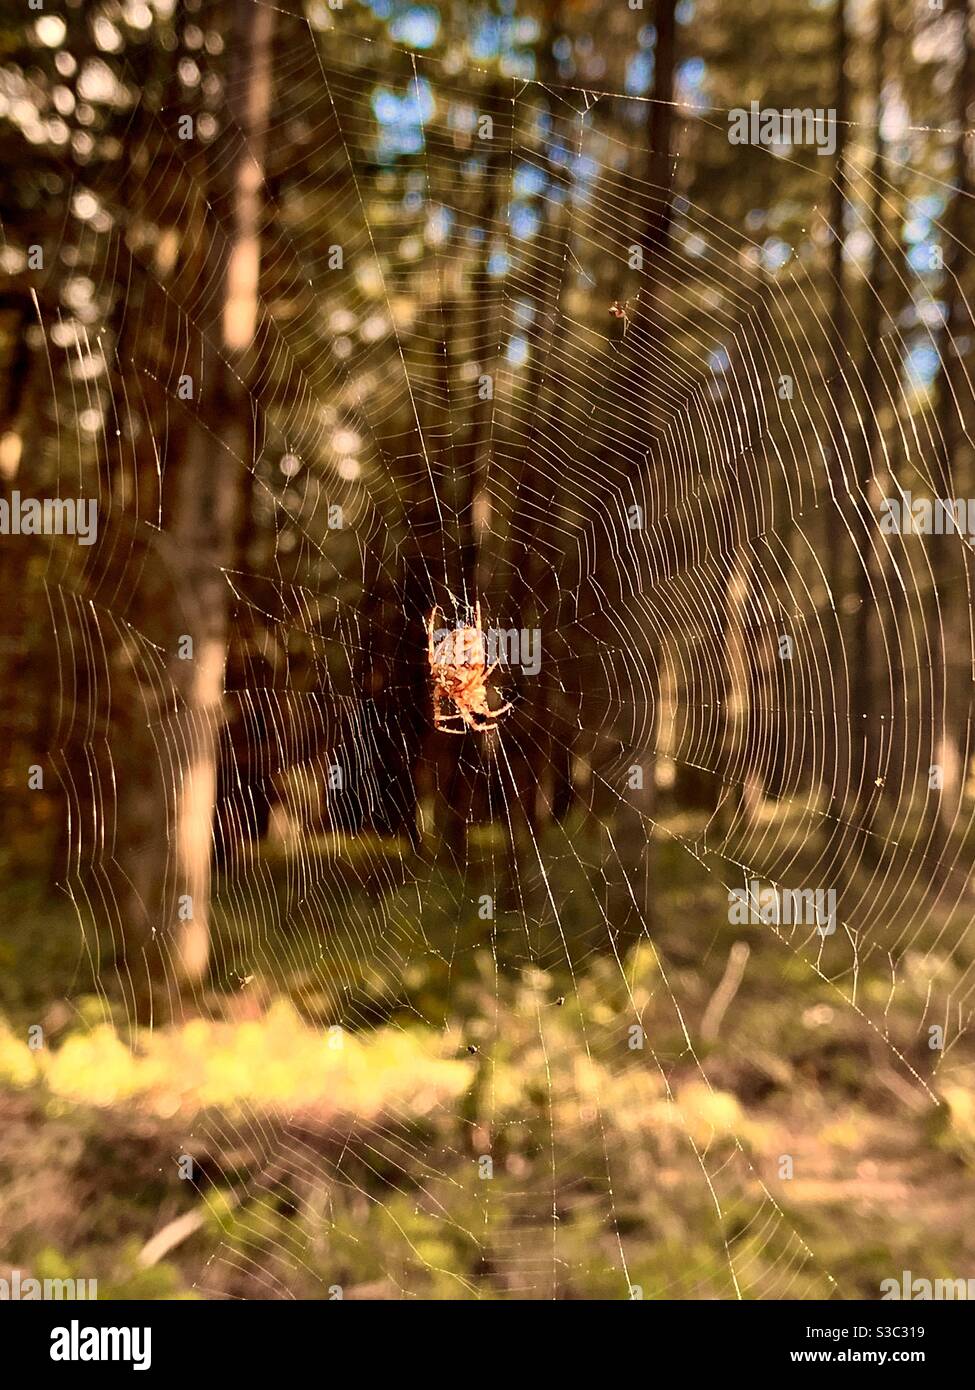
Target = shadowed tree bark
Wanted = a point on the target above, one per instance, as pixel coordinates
(639, 803)
(208, 478)
(949, 621)
(837, 763)
(869, 699)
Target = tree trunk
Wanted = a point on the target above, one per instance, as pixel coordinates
(867, 692)
(837, 769)
(948, 625)
(209, 480)
(639, 803)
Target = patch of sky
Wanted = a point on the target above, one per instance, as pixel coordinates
(485, 41)
(585, 168)
(414, 107)
(932, 312)
(529, 181)
(517, 353)
(923, 363)
(403, 140)
(439, 222)
(525, 221)
(690, 75)
(916, 229)
(401, 117)
(775, 253)
(639, 74)
(524, 30)
(518, 65)
(930, 206)
(920, 258)
(417, 27)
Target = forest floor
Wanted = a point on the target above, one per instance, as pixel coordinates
(762, 1136)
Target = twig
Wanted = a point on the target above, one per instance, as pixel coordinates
(726, 991)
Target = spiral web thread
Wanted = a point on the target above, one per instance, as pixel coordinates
(661, 642)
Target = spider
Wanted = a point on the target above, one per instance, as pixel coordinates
(622, 312)
(460, 674)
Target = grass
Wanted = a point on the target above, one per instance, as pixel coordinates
(486, 1123)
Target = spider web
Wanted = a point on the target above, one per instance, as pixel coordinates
(657, 494)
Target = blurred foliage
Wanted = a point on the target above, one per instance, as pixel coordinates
(275, 1062)
(351, 1160)
(354, 1160)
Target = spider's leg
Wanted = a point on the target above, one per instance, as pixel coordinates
(488, 722)
(441, 722)
(444, 715)
(501, 709)
(468, 717)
